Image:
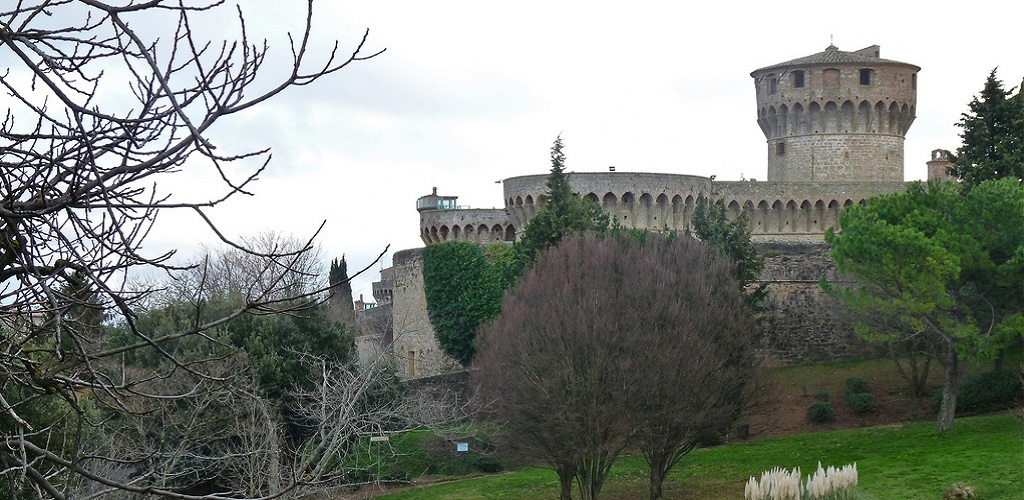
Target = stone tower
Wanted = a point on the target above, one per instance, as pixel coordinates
(939, 164)
(836, 116)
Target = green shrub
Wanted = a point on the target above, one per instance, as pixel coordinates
(856, 385)
(992, 391)
(822, 395)
(820, 412)
(860, 402)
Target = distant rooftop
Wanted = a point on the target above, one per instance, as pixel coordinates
(832, 55)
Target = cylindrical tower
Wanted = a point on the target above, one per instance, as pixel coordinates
(836, 116)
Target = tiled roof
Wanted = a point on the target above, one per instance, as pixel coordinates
(832, 55)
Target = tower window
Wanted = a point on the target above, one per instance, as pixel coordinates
(913, 81)
(798, 79)
(780, 149)
(865, 76)
(773, 85)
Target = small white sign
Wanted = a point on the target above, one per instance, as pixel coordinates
(461, 446)
(378, 439)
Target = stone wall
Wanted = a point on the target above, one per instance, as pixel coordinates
(804, 324)
(836, 157)
(779, 211)
(480, 225)
(415, 350)
(375, 334)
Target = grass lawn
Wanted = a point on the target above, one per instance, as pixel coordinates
(904, 461)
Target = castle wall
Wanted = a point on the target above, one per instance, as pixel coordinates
(780, 211)
(836, 157)
(480, 225)
(777, 210)
(415, 349)
(375, 334)
(804, 324)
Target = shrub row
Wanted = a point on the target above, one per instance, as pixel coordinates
(858, 399)
(992, 391)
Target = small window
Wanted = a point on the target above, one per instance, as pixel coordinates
(913, 81)
(865, 76)
(798, 79)
(773, 85)
(780, 149)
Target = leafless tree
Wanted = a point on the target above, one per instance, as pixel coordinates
(607, 343)
(698, 337)
(103, 106)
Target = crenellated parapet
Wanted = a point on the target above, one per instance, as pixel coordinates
(796, 210)
(479, 225)
(634, 199)
(776, 210)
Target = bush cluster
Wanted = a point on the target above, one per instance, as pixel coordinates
(860, 402)
(991, 391)
(820, 412)
(856, 385)
(857, 396)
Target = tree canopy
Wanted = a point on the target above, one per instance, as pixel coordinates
(609, 342)
(732, 239)
(993, 135)
(107, 101)
(937, 264)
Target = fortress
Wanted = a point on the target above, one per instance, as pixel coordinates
(835, 124)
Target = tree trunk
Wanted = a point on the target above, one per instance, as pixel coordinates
(565, 477)
(947, 410)
(657, 481)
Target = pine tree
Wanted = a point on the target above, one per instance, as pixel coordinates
(993, 136)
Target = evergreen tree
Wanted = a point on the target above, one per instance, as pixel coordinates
(340, 299)
(731, 239)
(563, 213)
(993, 136)
(937, 264)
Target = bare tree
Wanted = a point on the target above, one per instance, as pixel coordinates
(607, 343)
(697, 333)
(103, 107)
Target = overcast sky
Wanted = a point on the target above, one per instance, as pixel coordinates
(472, 92)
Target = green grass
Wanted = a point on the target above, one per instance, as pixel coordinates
(414, 454)
(907, 461)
